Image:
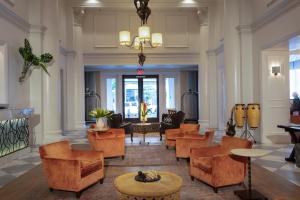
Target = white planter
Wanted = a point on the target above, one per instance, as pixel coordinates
(101, 123)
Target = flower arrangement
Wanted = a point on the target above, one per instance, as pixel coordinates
(32, 61)
(101, 116)
(144, 112)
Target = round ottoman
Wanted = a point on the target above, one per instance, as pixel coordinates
(167, 188)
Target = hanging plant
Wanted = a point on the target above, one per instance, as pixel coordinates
(32, 61)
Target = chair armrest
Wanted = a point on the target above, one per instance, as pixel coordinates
(87, 154)
(125, 124)
(61, 169)
(206, 151)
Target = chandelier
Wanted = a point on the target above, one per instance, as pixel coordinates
(144, 37)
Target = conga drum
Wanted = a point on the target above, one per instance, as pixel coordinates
(253, 113)
(239, 115)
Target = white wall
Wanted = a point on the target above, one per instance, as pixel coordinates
(18, 94)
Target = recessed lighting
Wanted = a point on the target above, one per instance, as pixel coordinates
(188, 1)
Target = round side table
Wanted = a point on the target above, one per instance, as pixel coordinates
(249, 153)
(167, 188)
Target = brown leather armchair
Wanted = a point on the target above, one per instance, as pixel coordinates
(172, 134)
(192, 140)
(216, 166)
(70, 169)
(111, 142)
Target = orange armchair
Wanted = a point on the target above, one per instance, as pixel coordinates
(172, 134)
(216, 166)
(193, 140)
(69, 169)
(111, 142)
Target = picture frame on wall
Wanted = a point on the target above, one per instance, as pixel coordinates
(10, 2)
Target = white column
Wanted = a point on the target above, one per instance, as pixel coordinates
(75, 76)
(203, 69)
(232, 53)
(246, 48)
(51, 87)
(36, 79)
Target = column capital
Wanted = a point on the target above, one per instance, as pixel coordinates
(202, 13)
(78, 14)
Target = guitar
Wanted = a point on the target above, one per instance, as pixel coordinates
(230, 128)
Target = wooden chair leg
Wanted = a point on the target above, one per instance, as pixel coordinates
(192, 178)
(51, 189)
(167, 147)
(123, 157)
(78, 194)
(215, 189)
(177, 159)
(101, 180)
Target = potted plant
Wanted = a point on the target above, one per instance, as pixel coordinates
(144, 112)
(32, 61)
(101, 116)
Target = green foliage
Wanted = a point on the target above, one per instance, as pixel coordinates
(32, 61)
(99, 113)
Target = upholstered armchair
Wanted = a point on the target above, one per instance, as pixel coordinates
(172, 134)
(216, 166)
(70, 169)
(116, 121)
(171, 121)
(192, 140)
(111, 142)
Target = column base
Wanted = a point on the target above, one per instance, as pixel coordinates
(253, 195)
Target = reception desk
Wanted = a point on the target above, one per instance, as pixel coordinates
(14, 130)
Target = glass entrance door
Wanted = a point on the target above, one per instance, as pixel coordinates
(137, 89)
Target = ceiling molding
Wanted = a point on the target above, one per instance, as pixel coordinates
(14, 18)
(128, 4)
(278, 10)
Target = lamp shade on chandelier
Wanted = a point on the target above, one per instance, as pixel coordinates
(144, 37)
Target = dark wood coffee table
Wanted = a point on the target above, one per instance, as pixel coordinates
(145, 128)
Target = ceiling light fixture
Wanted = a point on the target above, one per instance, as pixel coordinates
(144, 37)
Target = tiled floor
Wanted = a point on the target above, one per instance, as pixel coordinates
(274, 161)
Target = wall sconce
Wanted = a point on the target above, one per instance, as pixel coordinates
(276, 70)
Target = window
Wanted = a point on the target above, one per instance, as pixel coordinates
(294, 75)
(170, 93)
(111, 94)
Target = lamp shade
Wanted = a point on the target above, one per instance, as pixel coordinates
(157, 39)
(124, 38)
(144, 33)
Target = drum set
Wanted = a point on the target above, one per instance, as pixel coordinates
(247, 118)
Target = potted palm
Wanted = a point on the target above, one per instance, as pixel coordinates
(101, 116)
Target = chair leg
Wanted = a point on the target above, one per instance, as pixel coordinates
(167, 147)
(51, 189)
(192, 178)
(78, 194)
(101, 180)
(123, 157)
(215, 189)
(177, 159)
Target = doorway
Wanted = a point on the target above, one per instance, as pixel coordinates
(137, 89)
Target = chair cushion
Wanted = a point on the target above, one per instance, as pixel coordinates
(88, 167)
(203, 163)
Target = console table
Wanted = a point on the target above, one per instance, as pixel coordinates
(14, 132)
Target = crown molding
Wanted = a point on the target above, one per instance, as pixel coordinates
(278, 10)
(13, 18)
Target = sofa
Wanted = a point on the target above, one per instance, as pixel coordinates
(216, 166)
(172, 134)
(70, 169)
(192, 140)
(111, 142)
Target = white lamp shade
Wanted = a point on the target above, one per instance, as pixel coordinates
(124, 38)
(157, 39)
(136, 43)
(144, 33)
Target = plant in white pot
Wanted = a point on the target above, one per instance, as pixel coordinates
(101, 116)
